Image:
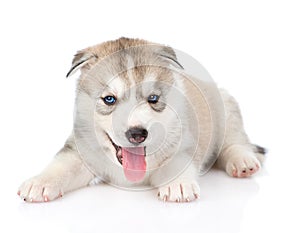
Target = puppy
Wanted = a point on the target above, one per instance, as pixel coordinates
(141, 120)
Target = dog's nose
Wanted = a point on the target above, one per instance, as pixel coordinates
(136, 135)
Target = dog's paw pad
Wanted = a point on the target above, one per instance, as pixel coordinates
(38, 189)
(179, 192)
(242, 166)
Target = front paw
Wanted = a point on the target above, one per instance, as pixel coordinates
(40, 189)
(179, 191)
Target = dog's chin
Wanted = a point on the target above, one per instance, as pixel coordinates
(132, 160)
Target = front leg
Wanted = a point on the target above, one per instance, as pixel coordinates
(183, 188)
(65, 173)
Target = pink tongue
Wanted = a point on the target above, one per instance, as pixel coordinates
(134, 163)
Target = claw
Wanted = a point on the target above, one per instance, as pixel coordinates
(158, 194)
(177, 199)
(196, 195)
(46, 198)
(234, 173)
(165, 198)
(187, 199)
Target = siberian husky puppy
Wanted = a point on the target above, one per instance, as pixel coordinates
(140, 120)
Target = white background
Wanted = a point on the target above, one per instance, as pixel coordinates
(252, 48)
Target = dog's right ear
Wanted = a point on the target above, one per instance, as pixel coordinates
(81, 60)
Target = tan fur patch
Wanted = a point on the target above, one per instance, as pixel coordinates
(130, 59)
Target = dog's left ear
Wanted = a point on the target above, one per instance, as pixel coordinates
(168, 53)
(81, 60)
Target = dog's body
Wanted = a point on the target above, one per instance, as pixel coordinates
(139, 119)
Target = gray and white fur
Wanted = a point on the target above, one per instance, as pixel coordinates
(192, 126)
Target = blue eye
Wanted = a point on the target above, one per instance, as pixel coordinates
(153, 99)
(109, 100)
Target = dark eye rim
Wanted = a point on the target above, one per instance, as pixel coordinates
(109, 103)
(151, 100)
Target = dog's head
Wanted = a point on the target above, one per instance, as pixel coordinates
(131, 89)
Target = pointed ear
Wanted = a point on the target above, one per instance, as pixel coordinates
(168, 53)
(81, 59)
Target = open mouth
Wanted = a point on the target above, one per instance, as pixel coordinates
(132, 160)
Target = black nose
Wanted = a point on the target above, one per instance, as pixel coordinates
(136, 135)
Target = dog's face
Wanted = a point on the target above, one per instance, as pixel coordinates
(134, 113)
(136, 98)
